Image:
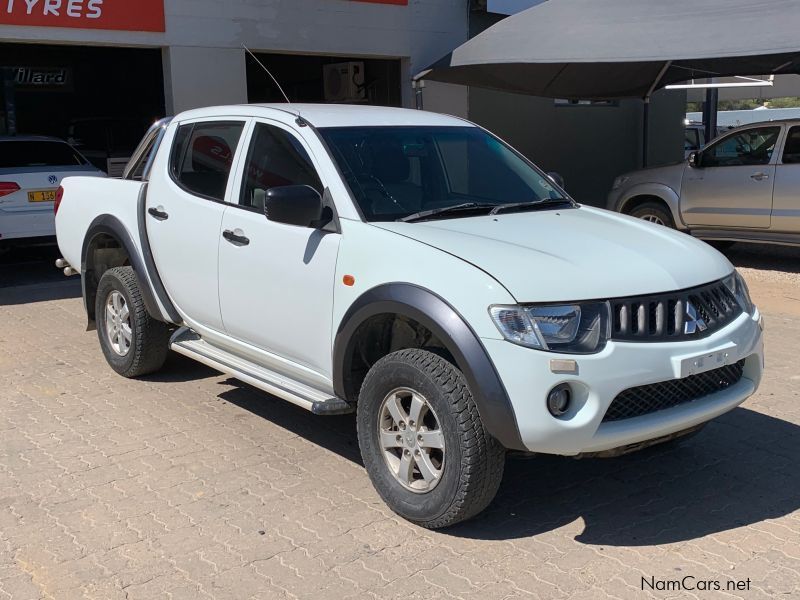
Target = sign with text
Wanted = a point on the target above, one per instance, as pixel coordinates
(122, 15)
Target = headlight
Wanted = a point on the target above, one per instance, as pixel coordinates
(737, 286)
(619, 182)
(569, 328)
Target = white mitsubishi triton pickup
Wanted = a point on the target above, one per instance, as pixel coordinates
(416, 270)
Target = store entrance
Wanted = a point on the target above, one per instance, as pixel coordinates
(334, 79)
(100, 99)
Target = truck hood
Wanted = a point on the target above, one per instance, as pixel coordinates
(573, 254)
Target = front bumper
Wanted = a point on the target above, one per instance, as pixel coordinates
(600, 377)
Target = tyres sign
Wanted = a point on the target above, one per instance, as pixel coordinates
(124, 15)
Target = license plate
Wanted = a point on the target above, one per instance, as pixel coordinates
(708, 361)
(42, 196)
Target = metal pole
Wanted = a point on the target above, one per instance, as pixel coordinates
(710, 107)
(645, 131)
(418, 86)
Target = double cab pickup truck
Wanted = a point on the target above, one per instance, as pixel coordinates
(414, 269)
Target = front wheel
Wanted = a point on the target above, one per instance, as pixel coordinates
(422, 441)
(654, 212)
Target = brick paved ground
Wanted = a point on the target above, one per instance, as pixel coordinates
(191, 485)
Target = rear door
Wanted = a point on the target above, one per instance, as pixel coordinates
(184, 209)
(733, 186)
(786, 197)
(30, 172)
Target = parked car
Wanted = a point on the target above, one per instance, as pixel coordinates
(108, 142)
(742, 187)
(31, 169)
(414, 269)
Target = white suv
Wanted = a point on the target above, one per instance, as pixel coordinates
(414, 269)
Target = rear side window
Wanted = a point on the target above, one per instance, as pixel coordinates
(26, 154)
(202, 157)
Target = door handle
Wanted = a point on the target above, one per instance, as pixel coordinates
(759, 176)
(158, 213)
(234, 238)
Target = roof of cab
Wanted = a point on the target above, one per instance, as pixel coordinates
(331, 115)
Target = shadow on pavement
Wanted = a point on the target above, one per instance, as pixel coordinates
(741, 469)
(767, 257)
(28, 274)
(335, 433)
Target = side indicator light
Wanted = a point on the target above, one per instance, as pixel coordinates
(349, 280)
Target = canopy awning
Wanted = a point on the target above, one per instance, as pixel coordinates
(606, 49)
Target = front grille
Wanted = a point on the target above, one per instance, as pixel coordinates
(686, 315)
(647, 399)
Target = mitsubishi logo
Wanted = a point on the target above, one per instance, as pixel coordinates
(693, 322)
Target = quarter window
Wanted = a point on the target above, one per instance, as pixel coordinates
(275, 159)
(202, 156)
(749, 147)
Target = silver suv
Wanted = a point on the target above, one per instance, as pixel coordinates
(743, 187)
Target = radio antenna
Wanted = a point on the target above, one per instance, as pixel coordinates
(260, 64)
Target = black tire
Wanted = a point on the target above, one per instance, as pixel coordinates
(654, 210)
(474, 461)
(149, 342)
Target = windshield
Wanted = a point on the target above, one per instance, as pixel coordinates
(395, 172)
(38, 154)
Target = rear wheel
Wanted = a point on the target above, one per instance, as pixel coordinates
(133, 342)
(423, 442)
(654, 212)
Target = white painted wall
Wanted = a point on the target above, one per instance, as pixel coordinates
(204, 62)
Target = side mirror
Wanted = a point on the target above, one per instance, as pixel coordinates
(695, 159)
(299, 205)
(556, 178)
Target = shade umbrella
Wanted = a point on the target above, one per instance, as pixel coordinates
(609, 49)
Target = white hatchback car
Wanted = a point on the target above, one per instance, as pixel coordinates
(31, 169)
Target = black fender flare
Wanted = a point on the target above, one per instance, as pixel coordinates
(112, 226)
(435, 313)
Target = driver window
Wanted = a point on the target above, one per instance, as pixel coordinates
(750, 147)
(276, 158)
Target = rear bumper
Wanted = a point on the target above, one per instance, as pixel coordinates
(601, 377)
(17, 224)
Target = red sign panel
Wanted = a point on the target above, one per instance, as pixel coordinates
(124, 15)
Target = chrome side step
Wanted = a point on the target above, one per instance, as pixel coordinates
(187, 342)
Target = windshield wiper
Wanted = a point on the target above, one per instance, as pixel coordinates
(425, 214)
(531, 205)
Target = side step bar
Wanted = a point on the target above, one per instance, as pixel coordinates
(187, 342)
(734, 235)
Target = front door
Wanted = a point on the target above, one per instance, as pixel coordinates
(185, 204)
(786, 203)
(733, 185)
(276, 280)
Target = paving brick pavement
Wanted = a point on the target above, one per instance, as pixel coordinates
(191, 485)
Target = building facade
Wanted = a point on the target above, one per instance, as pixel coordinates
(64, 60)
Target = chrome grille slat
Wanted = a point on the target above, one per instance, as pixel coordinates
(662, 317)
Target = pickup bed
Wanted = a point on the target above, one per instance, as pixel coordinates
(414, 269)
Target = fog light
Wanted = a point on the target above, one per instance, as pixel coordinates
(558, 400)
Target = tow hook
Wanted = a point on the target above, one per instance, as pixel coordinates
(68, 270)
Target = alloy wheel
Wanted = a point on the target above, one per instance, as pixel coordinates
(412, 440)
